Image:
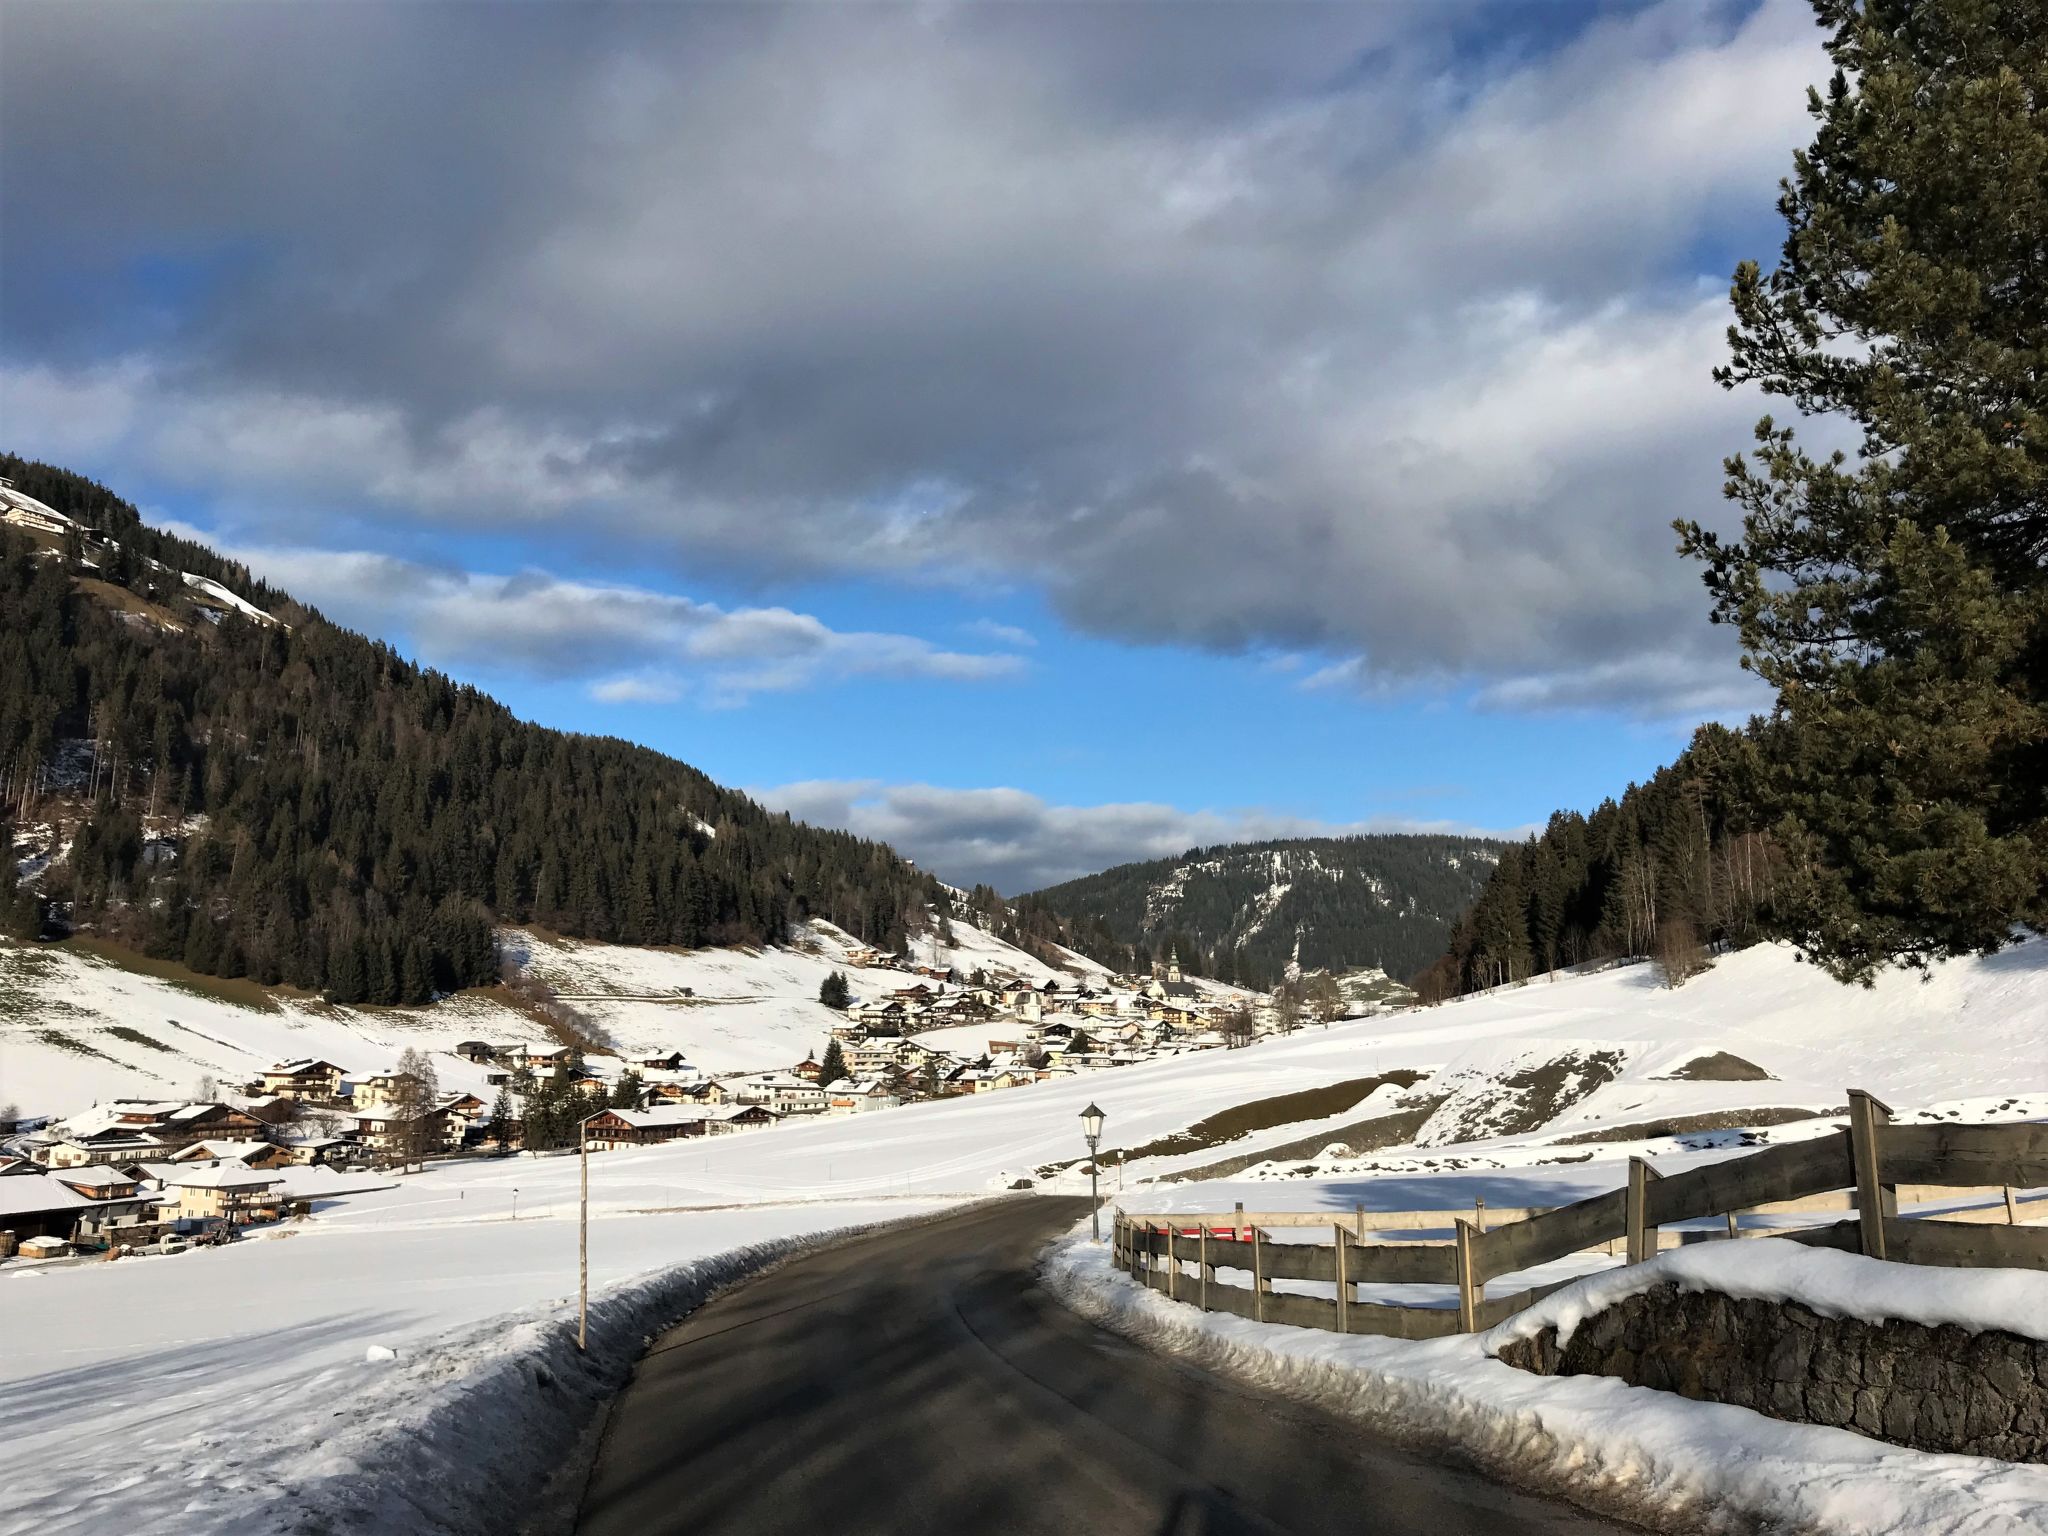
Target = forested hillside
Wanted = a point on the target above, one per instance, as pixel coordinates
(1242, 911)
(296, 803)
(1675, 864)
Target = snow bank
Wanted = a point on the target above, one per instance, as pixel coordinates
(473, 1432)
(1832, 1284)
(1663, 1461)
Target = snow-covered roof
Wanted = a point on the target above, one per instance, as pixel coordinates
(224, 1151)
(221, 1176)
(21, 1196)
(667, 1115)
(94, 1177)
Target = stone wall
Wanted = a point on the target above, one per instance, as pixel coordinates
(1936, 1389)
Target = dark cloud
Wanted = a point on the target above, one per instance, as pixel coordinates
(1304, 327)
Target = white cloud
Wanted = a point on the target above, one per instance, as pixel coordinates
(1001, 634)
(636, 690)
(636, 645)
(1017, 842)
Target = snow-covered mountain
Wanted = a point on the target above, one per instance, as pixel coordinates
(1253, 909)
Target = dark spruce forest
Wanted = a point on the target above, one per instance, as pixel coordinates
(298, 804)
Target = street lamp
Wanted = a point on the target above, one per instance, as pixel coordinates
(1091, 1127)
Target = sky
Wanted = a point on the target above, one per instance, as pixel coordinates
(1040, 435)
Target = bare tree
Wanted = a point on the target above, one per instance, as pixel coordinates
(1678, 951)
(417, 1093)
(1286, 1009)
(1238, 1027)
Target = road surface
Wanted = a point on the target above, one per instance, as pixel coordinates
(919, 1380)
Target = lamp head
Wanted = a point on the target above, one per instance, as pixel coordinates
(1091, 1122)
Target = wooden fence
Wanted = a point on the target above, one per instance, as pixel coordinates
(1180, 1254)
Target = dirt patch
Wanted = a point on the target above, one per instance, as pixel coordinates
(121, 600)
(1721, 1067)
(1683, 1125)
(1520, 1101)
(1360, 1137)
(137, 1037)
(1241, 1120)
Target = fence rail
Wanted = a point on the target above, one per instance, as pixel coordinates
(1872, 1161)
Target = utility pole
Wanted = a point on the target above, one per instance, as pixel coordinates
(583, 1237)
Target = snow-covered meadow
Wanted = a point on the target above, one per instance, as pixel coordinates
(225, 1375)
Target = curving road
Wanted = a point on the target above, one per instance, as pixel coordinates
(919, 1380)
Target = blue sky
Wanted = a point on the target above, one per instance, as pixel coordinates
(1042, 436)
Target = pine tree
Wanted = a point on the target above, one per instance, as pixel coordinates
(833, 1067)
(628, 1092)
(834, 991)
(501, 1119)
(1897, 597)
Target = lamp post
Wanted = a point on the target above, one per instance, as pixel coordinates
(515, 1202)
(1091, 1127)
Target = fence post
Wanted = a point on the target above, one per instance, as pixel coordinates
(1202, 1264)
(1343, 1277)
(1258, 1279)
(2012, 1208)
(1172, 1262)
(1479, 1212)
(1875, 1201)
(1358, 1217)
(1731, 1225)
(1642, 1237)
(1237, 1222)
(1469, 1284)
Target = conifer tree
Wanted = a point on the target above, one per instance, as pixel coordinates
(1896, 596)
(833, 1067)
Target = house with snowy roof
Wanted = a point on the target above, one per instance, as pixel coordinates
(225, 1191)
(308, 1078)
(613, 1128)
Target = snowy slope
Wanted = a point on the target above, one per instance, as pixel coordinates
(402, 1265)
(726, 1009)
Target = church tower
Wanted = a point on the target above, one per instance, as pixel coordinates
(1173, 966)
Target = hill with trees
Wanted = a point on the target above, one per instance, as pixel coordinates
(1242, 912)
(254, 791)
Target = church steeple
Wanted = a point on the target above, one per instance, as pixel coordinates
(1173, 965)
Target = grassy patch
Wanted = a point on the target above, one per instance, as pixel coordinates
(237, 992)
(137, 1037)
(1263, 1114)
(71, 1043)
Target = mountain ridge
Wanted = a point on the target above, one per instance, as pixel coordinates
(1248, 911)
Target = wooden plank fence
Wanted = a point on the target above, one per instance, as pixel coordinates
(1874, 1162)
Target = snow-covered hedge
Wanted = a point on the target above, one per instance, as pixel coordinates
(1660, 1460)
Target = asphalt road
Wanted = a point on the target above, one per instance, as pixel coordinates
(919, 1380)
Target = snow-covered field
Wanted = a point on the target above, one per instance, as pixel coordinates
(245, 1388)
(212, 1371)
(75, 1027)
(1652, 1457)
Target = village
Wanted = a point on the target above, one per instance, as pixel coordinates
(150, 1175)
